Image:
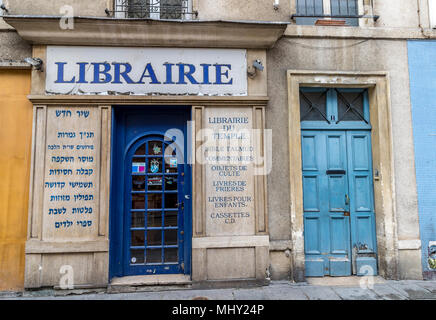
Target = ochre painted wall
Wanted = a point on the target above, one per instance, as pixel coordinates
(15, 145)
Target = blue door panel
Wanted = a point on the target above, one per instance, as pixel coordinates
(314, 267)
(360, 154)
(339, 231)
(339, 267)
(335, 151)
(138, 144)
(309, 147)
(363, 236)
(339, 225)
(311, 193)
(157, 229)
(337, 184)
(326, 230)
(312, 240)
(362, 193)
(366, 266)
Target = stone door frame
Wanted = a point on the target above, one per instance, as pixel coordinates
(378, 87)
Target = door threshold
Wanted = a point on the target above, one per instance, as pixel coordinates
(342, 281)
(152, 280)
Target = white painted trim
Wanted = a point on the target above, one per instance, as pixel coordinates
(230, 242)
(409, 244)
(432, 13)
(327, 8)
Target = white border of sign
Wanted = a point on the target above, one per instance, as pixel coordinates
(217, 72)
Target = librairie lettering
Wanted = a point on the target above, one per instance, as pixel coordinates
(121, 73)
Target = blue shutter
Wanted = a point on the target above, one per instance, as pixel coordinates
(345, 8)
(311, 8)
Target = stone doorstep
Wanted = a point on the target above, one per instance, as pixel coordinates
(153, 283)
(152, 280)
(352, 281)
(150, 283)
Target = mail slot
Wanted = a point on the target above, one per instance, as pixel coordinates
(335, 171)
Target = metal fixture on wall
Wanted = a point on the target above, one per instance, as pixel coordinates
(36, 63)
(252, 70)
(276, 4)
(3, 7)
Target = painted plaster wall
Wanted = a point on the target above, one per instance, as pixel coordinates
(53, 7)
(12, 47)
(422, 65)
(15, 141)
(393, 13)
(250, 10)
(397, 13)
(344, 55)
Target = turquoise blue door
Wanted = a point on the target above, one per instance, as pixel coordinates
(338, 199)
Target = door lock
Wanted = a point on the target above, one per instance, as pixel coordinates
(347, 199)
(346, 213)
(180, 205)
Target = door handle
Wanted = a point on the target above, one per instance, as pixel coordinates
(347, 203)
(180, 205)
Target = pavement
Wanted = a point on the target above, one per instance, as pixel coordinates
(315, 289)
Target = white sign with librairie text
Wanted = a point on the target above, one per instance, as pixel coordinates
(146, 71)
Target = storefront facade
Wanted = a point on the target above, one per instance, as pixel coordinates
(99, 153)
(208, 152)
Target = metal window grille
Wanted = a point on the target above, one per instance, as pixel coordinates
(313, 106)
(153, 9)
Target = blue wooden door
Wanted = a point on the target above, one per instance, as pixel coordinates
(151, 191)
(361, 195)
(339, 228)
(325, 187)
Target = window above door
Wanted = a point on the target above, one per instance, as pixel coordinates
(334, 108)
(330, 12)
(154, 9)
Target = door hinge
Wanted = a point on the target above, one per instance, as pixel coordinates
(182, 266)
